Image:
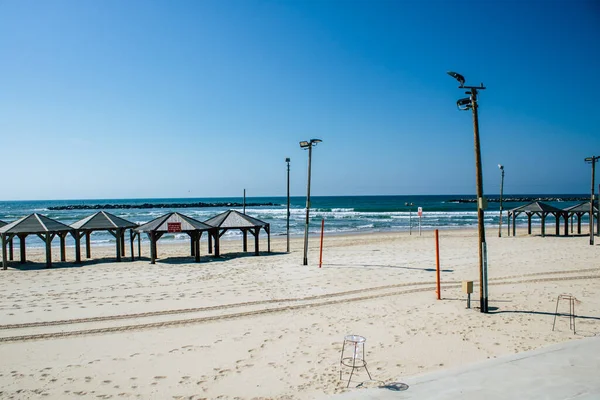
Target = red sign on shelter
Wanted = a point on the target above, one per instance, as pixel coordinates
(174, 227)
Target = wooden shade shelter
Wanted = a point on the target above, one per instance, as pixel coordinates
(44, 227)
(102, 221)
(580, 210)
(236, 220)
(541, 210)
(175, 222)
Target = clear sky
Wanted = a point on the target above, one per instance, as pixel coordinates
(123, 98)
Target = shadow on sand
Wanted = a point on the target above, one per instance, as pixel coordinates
(204, 259)
(551, 314)
(383, 266)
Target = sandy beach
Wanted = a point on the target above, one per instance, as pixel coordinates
(267, 327)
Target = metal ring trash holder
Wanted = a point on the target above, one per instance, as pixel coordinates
(354, 344)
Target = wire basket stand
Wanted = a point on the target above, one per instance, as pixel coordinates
(354, 351)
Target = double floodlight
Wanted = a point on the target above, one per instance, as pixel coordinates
(590, 160)
(312, 142)
(464, 104)
(501, 166)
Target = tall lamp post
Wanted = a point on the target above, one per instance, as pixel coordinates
(592, 160)
(410, 205)
(501, 190)
(470, 103)
(308, 145)
(287, 160)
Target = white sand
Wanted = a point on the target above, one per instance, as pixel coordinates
(246, 327)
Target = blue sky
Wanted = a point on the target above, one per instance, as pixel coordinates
(111, 99)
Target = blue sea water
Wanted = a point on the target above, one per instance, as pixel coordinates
(342, 214)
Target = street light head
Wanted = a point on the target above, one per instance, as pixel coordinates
(501, 166)
(458, 77)
(315, 141)
(287, 159)
(304, 144)
(464, 104)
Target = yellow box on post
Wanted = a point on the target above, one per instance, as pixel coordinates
(467, 287)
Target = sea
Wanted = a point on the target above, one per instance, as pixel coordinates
(340, 214)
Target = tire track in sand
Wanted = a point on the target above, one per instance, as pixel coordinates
(163, 324)
(262, 302)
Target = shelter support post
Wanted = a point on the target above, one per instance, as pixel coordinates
(210, 243)
(543, 225)
(529, 224)
(508, 223)
(514, 221)
(77, 237)
(22, 248)
(557, 224)
(48, 250)
(217, 240)
(152, 248)
(245, 240)
(4, 260)
(566, 217)
(198, 235)
(131, 240)
(578, 223)
(118, 240)
(123, 242)
(88, 251)
(192, 243)
(572, 215)
(62, 237)
(256, 235)
(269, 238)
(10, 248)
(139, 236)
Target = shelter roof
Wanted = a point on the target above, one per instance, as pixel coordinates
(581, 207)
(537, 207)
(34, 223)
(161, 224)
(233, 219)
(103, 220)
(2, 223)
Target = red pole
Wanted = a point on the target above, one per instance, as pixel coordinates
(321, 252)
(437, 264)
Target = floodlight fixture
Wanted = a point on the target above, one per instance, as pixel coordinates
(306, 144)
(458, 77)
(464, 104)
(501, 166)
